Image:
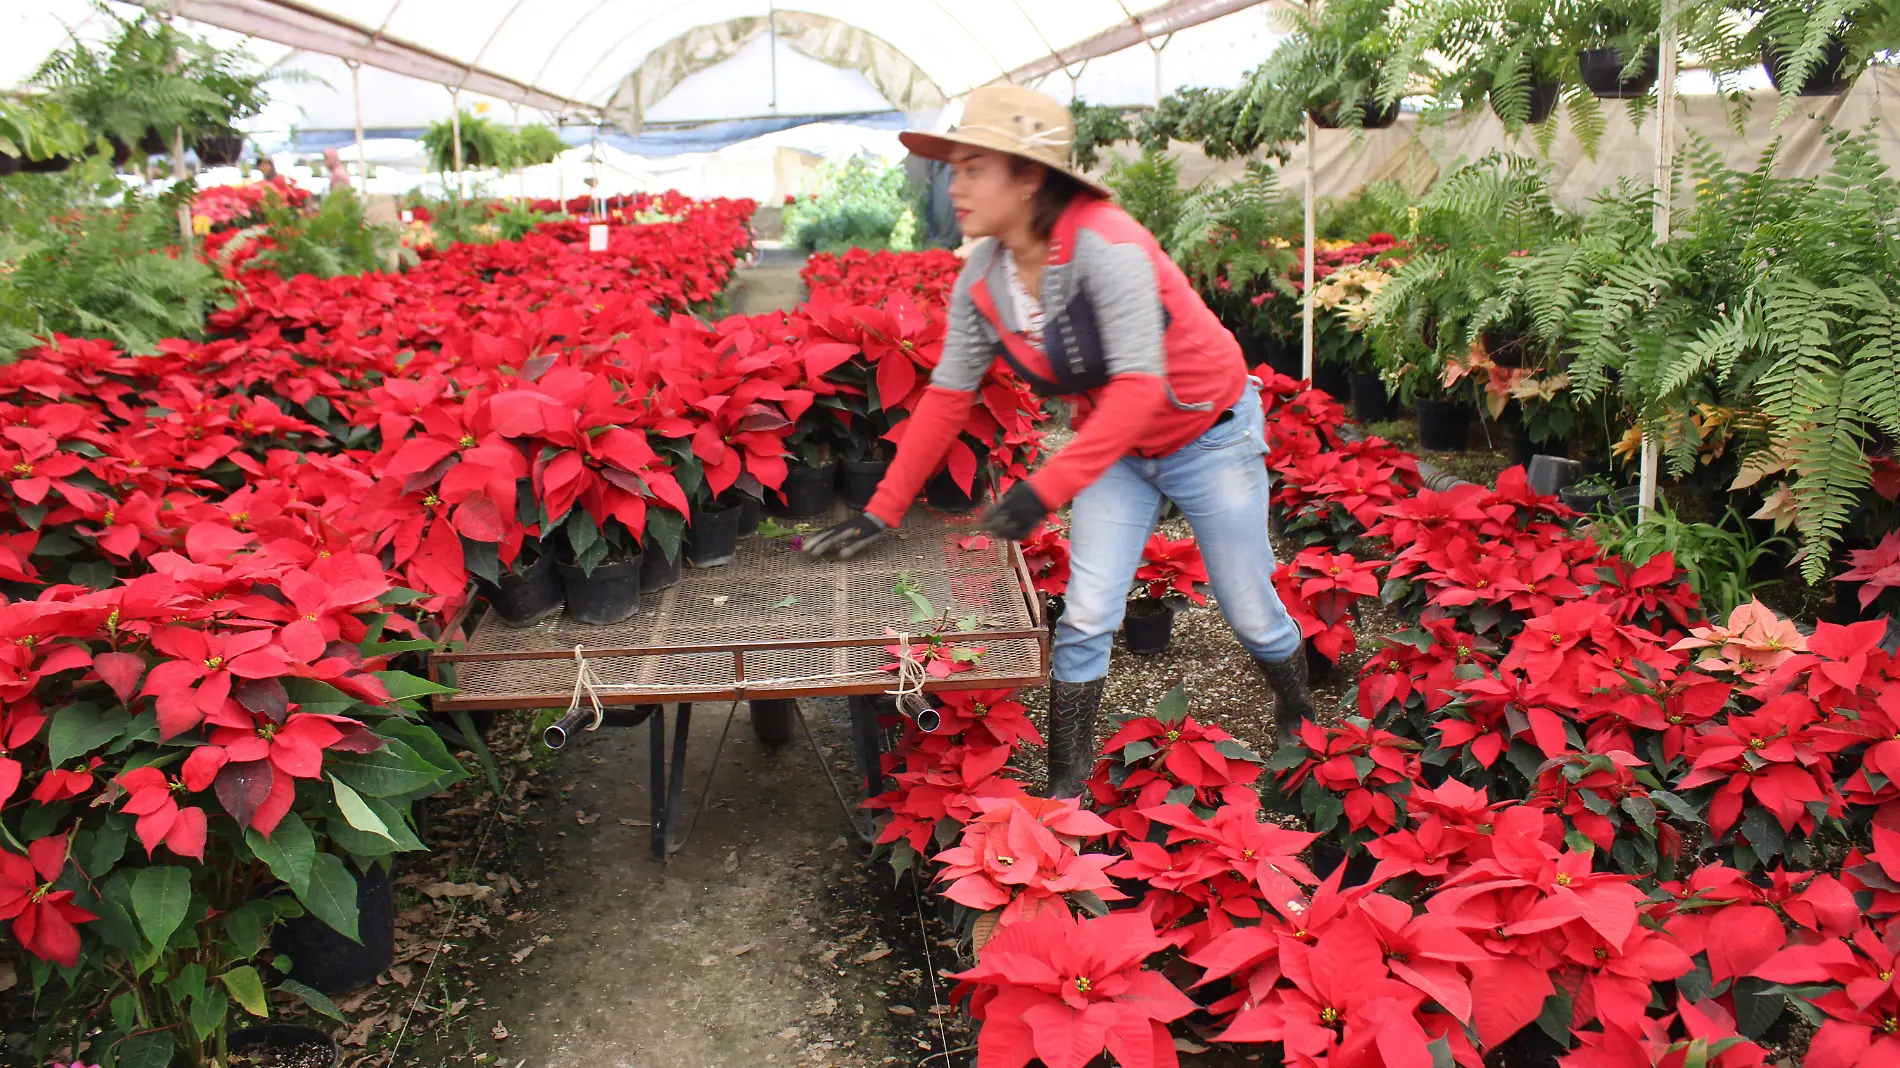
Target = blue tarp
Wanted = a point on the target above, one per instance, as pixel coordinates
(653, 141)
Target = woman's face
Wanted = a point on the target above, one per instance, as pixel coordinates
(990, 197)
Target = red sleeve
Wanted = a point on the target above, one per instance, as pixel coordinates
(927, 437)
(1123, 413)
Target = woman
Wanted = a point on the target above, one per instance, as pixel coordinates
(1080, 301)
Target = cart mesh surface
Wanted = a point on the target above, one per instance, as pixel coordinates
(692, 642)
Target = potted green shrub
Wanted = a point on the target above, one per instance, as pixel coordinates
(148, 81)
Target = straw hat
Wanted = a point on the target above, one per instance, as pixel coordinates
(1011, 119)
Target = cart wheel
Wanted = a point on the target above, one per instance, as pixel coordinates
(772, 720)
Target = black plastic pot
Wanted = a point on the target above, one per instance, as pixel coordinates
(50, 165)
(858, 480)
(527, 597)
(713, 538)
(1544, 97)
(1600, 68)
(659, 571)
(1505, 350)
(322, 958)
(220, 150)
(307, 1047)
(1286, 358)
(1370, 404)
(1828, 77)
(943, 493)
(153, 143)
(1052, 609)
(1587, 501)
(1627, 498)
(1443, 425)
(1148, 627)
(1332, 379)
(1371, 116)
(1320, 668)
(611, 594)
(9, 165)
(806, 493)
(751, 514)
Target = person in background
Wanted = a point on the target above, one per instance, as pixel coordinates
(266, 167)
(931, 179)
(1081, 302)
(333, 160)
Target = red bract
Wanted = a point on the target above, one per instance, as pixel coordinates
(254, 767)
(196, 682)
(161, 819)
(1063, 991)
(985, 718)
(43, 918)
(1862, 1009)
(1172, 566)
(1046, 552)
(1020, 856)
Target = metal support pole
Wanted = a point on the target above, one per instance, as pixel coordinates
(178, 180)
(771, 14)
(455, 129)
(521, 172)
(356, 94)
(1306, 304)
(1665, 187)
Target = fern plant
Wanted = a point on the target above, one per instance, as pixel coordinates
(1334, 64)
(1433, 314)
(1776, 296)
(1228, 239)
(72, 263)
(1208, 117)
(1800, 37)
(1149, 188)
(147, 79)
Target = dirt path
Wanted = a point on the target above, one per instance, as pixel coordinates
(768, 940)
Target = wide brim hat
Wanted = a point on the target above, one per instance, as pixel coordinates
(1013, 120)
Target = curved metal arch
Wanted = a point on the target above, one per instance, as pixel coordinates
(610, 51)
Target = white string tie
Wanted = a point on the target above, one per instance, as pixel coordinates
(584, 680)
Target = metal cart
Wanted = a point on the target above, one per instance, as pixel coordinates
(769, 628)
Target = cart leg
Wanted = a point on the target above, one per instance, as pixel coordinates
(682, 722)
(658, 779)
(868, 740)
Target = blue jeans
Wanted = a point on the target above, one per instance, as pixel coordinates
(1219, 482)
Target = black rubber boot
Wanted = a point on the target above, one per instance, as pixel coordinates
(1072, 708)
(1292, 702)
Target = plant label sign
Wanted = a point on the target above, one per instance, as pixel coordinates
(408, 216)
(597, 237)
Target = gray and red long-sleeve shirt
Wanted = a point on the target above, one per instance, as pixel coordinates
(1147, 367)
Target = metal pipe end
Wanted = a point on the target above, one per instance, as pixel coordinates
(928, 720)
(555, 736)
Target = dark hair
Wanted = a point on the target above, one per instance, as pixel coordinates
(1052, 198)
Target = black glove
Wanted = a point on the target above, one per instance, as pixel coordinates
(848, 538)
(1017, 515)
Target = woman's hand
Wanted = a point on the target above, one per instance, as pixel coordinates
(1017, 515)
(848, 538)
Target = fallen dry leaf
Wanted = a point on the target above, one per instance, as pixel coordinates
(7, 977)
(903, 1010)
(359, 1035)
(500, 1032)
(400, 974)
(789, 1033)
(879, 953)
(521, 954)
(635, 823)
(1187, 1045)
(584, 819)
(732, 862)
(455, 1008)
(708, 960)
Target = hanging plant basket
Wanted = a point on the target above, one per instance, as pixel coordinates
(1371, 116)
(153, 143)
(1601, 69)
(1544, 98)
(220, 150)
(1828, 77)
(50, 165)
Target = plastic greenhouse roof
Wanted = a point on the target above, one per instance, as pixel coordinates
(574, 55)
